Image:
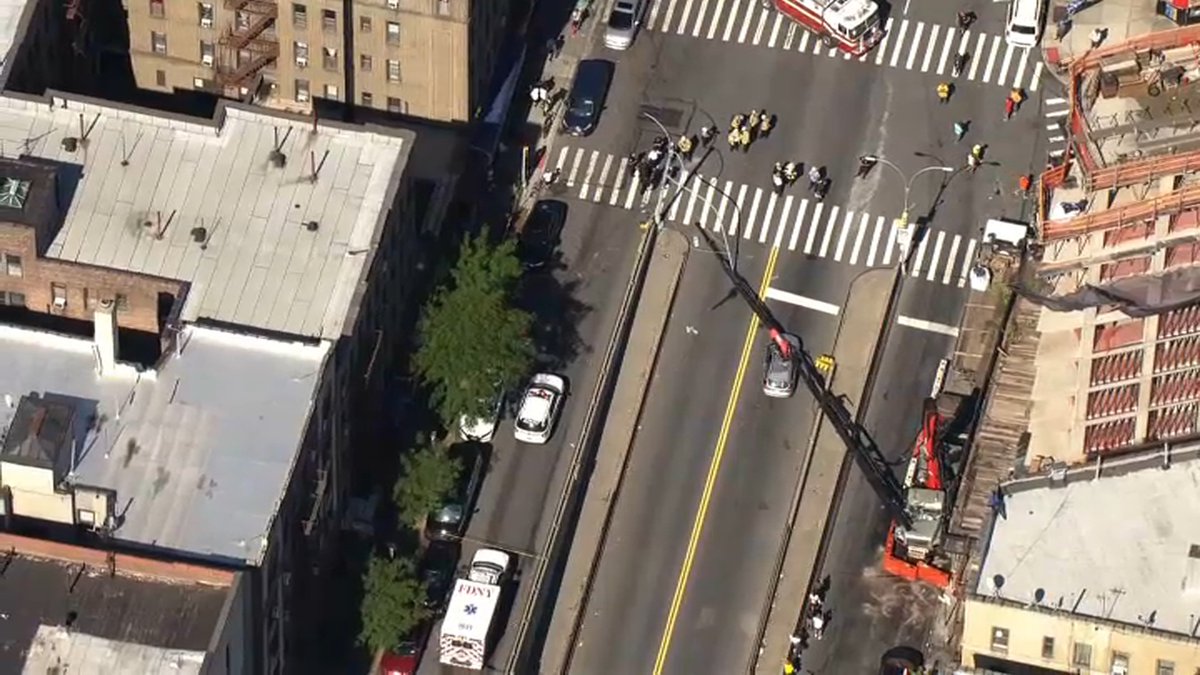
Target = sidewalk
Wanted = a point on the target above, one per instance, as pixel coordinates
(862, 324)
(641, 352)
(1122, 19)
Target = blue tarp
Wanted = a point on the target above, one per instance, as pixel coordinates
(491, 128)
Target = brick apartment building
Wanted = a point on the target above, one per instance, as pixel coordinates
(426, 58)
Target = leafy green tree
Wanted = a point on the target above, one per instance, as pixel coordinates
(474, 341)
(428, 475)
(392, 602)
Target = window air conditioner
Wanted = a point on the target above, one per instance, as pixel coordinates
(60, 301)
(393, 4)
(206, 22)
(207, 60)
(302, 61)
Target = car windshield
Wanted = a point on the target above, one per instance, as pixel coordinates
(621, 18)
(450, 514)
(529, 424)
(1024, 30)
(582, 107)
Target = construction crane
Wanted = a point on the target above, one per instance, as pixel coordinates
(866, 454)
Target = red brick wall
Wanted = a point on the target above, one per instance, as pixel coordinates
(126, 564)
(85, 285)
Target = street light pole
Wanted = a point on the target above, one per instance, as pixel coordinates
(902, 221)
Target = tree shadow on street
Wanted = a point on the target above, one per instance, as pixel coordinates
(551, 297)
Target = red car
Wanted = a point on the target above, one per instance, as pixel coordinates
(404, 659)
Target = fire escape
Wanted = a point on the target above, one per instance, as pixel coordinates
(248, 46)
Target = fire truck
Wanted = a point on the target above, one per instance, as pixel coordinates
(849, 25)
(914, 550)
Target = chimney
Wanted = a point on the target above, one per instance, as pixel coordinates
(106, 338)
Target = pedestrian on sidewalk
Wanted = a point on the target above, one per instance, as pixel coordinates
(1024, 183)
(960, 130)
(1097, 36)
(814, 600)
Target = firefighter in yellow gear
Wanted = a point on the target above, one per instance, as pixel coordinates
(943, 92)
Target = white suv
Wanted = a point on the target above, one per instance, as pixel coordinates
(540, 407)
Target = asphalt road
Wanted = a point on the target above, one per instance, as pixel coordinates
(642, 618)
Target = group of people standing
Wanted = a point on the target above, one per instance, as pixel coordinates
(745, 128)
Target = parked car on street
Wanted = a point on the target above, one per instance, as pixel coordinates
(541, 233)
(438, 566)
(405, 658)
(540, 408)
(623, 23)
(781, 370)
(482, 429)
(450, 519)
(586, 98)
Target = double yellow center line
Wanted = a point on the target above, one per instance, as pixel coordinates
(714, 468)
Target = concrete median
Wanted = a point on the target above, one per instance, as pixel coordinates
(620, 427)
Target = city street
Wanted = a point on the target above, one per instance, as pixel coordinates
(686, 570)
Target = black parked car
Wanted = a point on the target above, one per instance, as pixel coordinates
(586, 99)
(539, 238)
(450, 519)
(437, 572)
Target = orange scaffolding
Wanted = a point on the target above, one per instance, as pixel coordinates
(1142, 171)
(1147, 209)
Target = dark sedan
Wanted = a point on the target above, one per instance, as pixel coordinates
(586, 99)
(438, 566)
(540, 235)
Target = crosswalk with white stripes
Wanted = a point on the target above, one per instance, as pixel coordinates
(790, 221)
(1055, 111)
(907, 44)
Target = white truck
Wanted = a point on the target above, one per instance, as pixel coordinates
(468, 621)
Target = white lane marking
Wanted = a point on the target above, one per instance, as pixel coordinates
(712, 27)
(899, 43)
(881, 48)
(766, 220)
(829, 228)
(687, 8)
(799, 224)
(622, 169)
(790, 37)
(962, 42)
(751, 219)
(937, 255)
(977, 57)
(916, 268)
(887, 252)
(733, 13)
(812, 231)
(708, 198)
(587, 177)
(1057, 113)
(802, 301)
(841, 245)
(803, 41)
(858, 241)
(635, 187)
(916, 44)
(879, 225)
(950, 258)
(783, 221)
(991, 63)
(1055, 101)
(934, 29)
(700, 16)
(720, 221)
(666, 22)
(922, 324)
(575, 167)
(738, 212)
(1002, 77)
(1020, 76)
(949, 44)
(678, 198)
(562, 159)
(968, 259)
(758, 32)
(603, 179)
(1037, 75)
(817, 45)
(746, 23)
(775, 31)
(693, 195)
(654, 14)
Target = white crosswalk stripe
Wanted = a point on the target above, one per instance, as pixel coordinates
(845, 236)
(908, 44)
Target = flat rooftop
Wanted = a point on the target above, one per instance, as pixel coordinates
(201, 201)
(200, 452)
(1121, 547)
(122, 624)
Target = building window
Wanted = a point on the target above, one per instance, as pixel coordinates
(1120, 664)
(241, 19)
(158, 9)
(208, 53)
(12, 299)
(364, 24)
(58, 294)
(331, 92)
(365, 62)
(393, 33)
(12, 266)
(1047, 647)
(367, 99)
(300, 50)
(158, 42)
(160, 78)
(443, 7)
(1082, 655)
(206, 15)
(1000, 640)
(302, 91)
(395, 105)
(329, 20)
(199, 83)
(393, 70)
(299, 16)
(1165, 667)
(329, 58)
